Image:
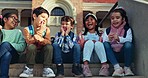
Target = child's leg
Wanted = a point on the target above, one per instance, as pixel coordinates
(48, 53)
(8, 51)
(99, 49)
(87, 50)
(57, 54)
(30, 55)
(128, 54)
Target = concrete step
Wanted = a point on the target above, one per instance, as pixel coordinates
(92, 77)
(16, 69)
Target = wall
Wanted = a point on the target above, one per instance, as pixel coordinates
(138, 18)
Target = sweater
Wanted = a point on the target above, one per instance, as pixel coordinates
(15, 38)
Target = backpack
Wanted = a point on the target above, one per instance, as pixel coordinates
(31, 31)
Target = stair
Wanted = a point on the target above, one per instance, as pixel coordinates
(16, 69)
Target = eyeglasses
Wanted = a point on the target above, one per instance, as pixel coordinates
(14, 19)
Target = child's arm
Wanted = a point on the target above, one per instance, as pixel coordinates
(29, 39)
(127, 38)
(81, 40)
(46, 39)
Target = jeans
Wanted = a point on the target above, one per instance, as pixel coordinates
(98, 47)
(125, 55)
(7, 55)
(59, 55)
(47, 52)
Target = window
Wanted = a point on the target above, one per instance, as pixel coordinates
(57, 11)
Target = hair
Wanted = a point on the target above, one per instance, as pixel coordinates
(123, 14)
(68, 19)
(6, 15)
(39, 10)
(86, 29)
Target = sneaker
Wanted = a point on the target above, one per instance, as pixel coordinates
(60, 71)
(76, 70)
(28, 72)
(128, 72)
(118, 72)
(104, 70)
(86, 71)
(48, 72)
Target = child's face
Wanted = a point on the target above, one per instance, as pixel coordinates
(116, 19)
(11, 22)
(66, 25)
(90, 23)
(41, 20)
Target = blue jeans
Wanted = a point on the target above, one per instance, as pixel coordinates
(125, 55)
(7, 55)
(59, 55)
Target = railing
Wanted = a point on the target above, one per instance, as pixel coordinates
(105, 17)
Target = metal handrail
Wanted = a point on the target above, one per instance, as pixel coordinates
(115, 5)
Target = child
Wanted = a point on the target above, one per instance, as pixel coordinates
(37, 37)
(89, 41)
(12, 43)
(65, 43)
(118, 42)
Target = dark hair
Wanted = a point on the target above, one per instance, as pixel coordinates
(86, 29)
(123, 14)
(68, 19)
(6, 15)
(39, 10)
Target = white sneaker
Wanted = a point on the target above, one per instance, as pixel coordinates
(28, 72)
(48, 72)
(128, 72)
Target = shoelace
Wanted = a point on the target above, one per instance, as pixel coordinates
(27, 70)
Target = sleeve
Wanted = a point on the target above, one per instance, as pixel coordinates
(29, 39)
(127, 38)
(105, 37)
(21, 44)
(59, 39)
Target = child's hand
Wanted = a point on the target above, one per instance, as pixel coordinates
(111, 37)
(38, 38)
(67, 31)
(63, 32)
(1, 27)
(116, 37)
(81, 40)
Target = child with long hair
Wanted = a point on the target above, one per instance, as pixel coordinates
(118, 42)
(12, 43)
(89, 41)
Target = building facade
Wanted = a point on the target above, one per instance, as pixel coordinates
(58, 8)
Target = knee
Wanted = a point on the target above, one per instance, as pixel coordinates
(49, 47)
(31, 47)
(7, 56)
(106, 44)
(89, 43)
(128, 45)
(5, 44)
(76, 46)
(98, 44)
(55, 45)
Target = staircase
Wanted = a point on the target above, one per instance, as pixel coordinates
(16, 69)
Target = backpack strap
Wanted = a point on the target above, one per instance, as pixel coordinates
(31, 30)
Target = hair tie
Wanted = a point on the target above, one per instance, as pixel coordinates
(1, 16)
